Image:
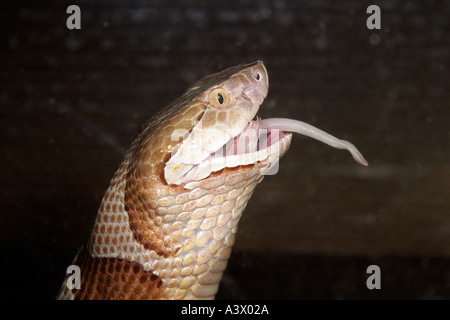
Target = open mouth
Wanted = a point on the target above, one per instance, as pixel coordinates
(254, 144)
(262, 141)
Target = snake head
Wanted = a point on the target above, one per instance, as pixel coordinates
(230, 100)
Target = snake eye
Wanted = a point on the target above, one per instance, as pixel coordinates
(219, 98)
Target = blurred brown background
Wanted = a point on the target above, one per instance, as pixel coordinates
(71, 103)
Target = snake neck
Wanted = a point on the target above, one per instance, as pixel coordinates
(176, 241)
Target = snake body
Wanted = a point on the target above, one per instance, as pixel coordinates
(167, 222)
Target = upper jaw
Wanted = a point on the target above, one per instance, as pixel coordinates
(256, 80)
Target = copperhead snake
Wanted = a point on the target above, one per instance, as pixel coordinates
(167, 222)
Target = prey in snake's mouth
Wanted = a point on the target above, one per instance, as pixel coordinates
(228, 135)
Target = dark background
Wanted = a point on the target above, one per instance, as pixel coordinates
(72, 101)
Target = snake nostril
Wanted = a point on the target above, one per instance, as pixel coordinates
(257, 76)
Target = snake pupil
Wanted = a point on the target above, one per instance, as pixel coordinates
(220, 98)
